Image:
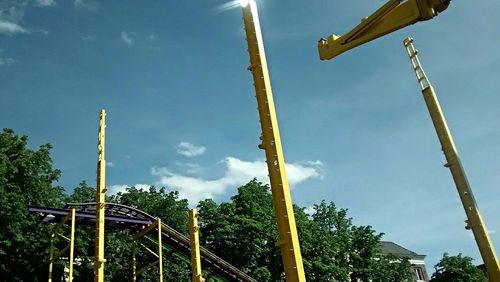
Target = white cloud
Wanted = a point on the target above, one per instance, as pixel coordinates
(189, 150)
(15, 13)
(11, 28)
(110, 164)
(237, 173)
(46, 3)
(87, 4)
(87, 37)
(127, 38)
(191, 168)
(309, 210)
(114, 189)
(6, 62)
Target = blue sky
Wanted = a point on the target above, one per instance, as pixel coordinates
(182, 112)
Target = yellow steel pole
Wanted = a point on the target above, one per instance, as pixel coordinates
(474, 219)
(100, 201)
(134, 260)
(160, 251)
(51, 256)
(72, 245)
(195, 246)
(271, 143)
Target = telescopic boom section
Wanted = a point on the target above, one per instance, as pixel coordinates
(474, 220)
(100, 201)
(271, 143)
(394, 15)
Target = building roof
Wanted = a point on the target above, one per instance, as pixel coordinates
(395, 249)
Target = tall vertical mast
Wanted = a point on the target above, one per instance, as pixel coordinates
(100, 201)
(474, 220)
(195, 246)
(271, 143)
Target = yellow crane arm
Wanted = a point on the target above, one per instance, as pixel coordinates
(394, 15)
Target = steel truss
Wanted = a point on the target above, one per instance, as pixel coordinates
(54, 253)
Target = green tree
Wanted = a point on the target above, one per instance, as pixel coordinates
(26, 177)
(159, 203)
(118, 247)
(457, 268)
(334, 249)
(173, 212)
(353, 248)
(84, 235)
(243, 231)
(391, 268)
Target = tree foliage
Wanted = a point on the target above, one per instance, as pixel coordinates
(242, 230)
(118, 248)
(386, 270)
(457, 268)
(26, 177)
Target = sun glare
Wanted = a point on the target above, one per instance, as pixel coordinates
(232, 5)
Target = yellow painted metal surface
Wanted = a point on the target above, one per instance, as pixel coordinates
(288, 240)
(474, 219)
(392, 16)
(100, 201)
(72, 245)
(195, 246)
(160, 250)
(145, 230)
(134, 260)
(53, 255)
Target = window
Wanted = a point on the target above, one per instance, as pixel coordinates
(419, 273)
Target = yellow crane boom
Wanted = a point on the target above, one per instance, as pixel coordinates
(474, 219)
(394, 15)
(271, 143)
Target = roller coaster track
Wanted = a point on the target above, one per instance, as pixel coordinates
(123, 216)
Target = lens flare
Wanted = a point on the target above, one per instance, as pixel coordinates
(234, 4)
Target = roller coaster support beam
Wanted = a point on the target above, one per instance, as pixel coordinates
(159, 261)
(288, 240)
(474, 220)
(71, 245)
(195, 246)
(394, 15)
(100, 201)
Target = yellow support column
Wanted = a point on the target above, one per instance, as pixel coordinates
(159, 255)
(160, 251)
(51, 256)
(195, 246)
(134, 260)
(72, 245)
(100, 201)
(288, 240)
(474, 219)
